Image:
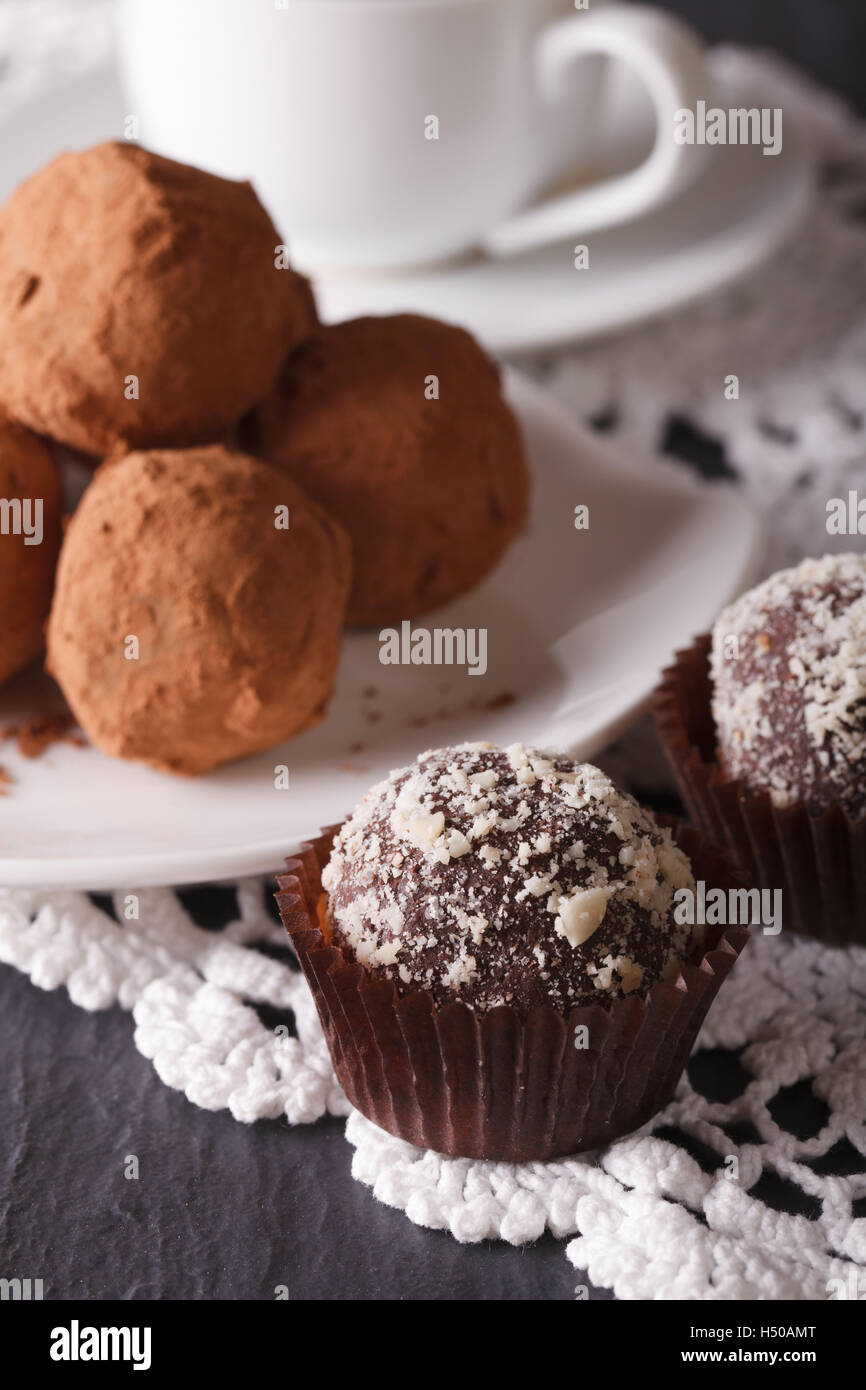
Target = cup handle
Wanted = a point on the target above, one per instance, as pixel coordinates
(668, 57)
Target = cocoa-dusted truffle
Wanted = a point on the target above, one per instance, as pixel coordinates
(398, 426)
(29, 540)
(140, 301)
(507, 877)
(789, 686)
(197, 615)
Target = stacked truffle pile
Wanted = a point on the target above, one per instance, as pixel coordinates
(259, 478)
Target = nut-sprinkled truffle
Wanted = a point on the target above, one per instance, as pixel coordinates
(398, 427)
(235, 618)
(117, 264)
(507, 877)
(30, 490)
(789, 680)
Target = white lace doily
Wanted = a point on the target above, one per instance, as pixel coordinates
(794, 333)
(694, 1205)
(193, 992)
(697, 1205)
(759, 1192)
(45, 41)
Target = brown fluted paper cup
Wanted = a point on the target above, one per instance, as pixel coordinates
(501, 1085)
(818, 862)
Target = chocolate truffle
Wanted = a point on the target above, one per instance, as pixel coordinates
(399, 428)
(507, 877)
(197, 614)
(29, 540)
(789, 686)
(140, 301)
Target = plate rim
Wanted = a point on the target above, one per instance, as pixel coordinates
(177, 868)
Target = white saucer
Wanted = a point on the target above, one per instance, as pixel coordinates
(740, 209)
(579, 624)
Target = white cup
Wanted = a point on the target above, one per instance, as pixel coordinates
(390, 132)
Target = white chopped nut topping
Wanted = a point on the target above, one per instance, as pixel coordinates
(581, 914)
(423, 831)
(544, 878)
(789, 681)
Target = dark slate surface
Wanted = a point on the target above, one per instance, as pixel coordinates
(220, 1210)
(825, 37)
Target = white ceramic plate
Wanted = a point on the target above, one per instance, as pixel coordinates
(579, 623)
(737, 213)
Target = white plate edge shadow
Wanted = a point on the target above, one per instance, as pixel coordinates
(189, 866)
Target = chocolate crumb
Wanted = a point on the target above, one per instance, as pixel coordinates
(38, 733)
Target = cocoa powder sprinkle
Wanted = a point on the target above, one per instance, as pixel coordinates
(33, 736)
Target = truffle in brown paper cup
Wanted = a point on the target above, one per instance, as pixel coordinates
(501, 1085)
(818, 862)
